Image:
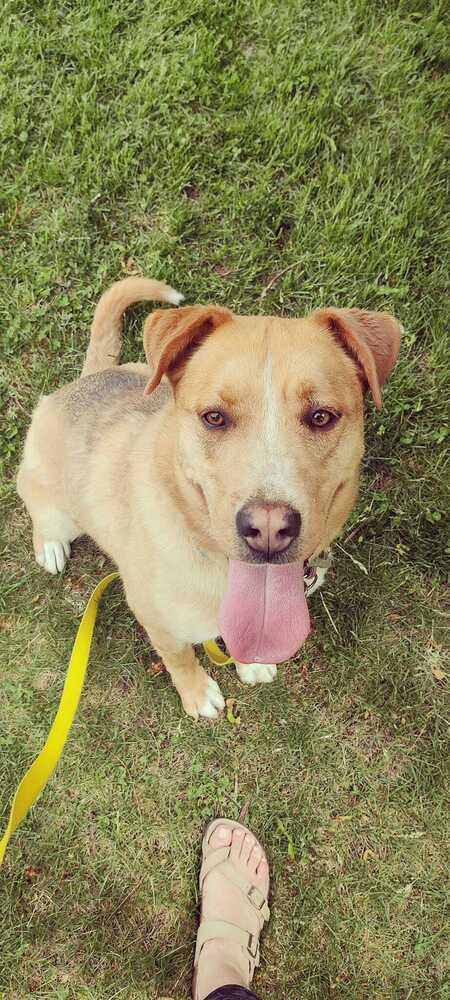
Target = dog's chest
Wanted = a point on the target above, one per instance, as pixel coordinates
(196, 593)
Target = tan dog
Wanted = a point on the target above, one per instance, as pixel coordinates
(211, 475)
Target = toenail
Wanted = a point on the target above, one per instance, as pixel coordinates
(239, 834)
(222, 832)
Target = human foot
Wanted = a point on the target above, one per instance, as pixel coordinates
(234, 884)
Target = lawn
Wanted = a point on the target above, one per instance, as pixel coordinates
(273, 157)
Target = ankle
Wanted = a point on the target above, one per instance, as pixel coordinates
(222, 963)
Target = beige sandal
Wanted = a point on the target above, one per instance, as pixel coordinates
(219, 858)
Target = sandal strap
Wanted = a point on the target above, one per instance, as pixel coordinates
(226, 867)
(211, 929)
(216, 857)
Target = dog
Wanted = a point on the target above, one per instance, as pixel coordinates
(214, 474)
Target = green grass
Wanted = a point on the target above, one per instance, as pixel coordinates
(271, 157)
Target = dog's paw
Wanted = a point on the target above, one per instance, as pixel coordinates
(207, 701)
(256, 673)
(214, 702)
(53, 556)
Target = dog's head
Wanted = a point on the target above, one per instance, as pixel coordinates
(269, 420)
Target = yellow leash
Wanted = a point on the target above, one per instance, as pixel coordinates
(37, 776)
(214, 652)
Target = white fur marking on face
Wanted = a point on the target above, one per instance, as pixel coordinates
(256, 673)
(271, 418)
(272, 460)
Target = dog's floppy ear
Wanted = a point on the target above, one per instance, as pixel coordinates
(172, 335)
(371, 338)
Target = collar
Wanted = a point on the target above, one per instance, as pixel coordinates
(310, 567)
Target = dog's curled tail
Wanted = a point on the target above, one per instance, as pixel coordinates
(106, 330)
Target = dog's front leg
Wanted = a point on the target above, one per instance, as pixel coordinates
(200, 694)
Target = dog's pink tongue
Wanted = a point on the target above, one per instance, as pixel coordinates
(264, 616)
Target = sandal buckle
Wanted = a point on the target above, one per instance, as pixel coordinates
(256, 897)
(253, 948)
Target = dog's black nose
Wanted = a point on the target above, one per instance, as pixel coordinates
(268, 528)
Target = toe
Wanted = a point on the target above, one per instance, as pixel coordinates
(236, 844)
(262, 871)
(50, 557)
(254, 859)
(214, 702)
(203, 699)
(269, 673)
(220, 837)
(53, 556)
(248, 844)
(60, 556)
(215, 695)
(207, 710)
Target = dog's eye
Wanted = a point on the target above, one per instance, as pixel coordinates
(214, 418)
(322, 419)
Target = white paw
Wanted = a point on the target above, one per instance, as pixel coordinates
(214, 702)
(175, 297)
(256, 673)
(53, 556)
